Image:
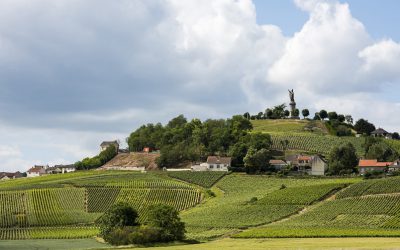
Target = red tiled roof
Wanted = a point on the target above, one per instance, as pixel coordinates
(373, 163)
(304, 158)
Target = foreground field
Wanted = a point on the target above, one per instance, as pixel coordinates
(236, 244)
(369, 208)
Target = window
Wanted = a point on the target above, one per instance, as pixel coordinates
(211, 166)
(217, 165)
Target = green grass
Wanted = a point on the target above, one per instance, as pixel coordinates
(307, 243)
(279, 126)
(205, 179)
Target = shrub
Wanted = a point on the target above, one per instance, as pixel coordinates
(144, 235)
(119, 236)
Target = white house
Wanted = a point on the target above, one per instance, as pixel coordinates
(36, 171)
(217, 163)
(61, 169)
(200, 167)
(318, 165)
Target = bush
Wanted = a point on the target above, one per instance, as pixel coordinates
(144, 235)
(119, 236)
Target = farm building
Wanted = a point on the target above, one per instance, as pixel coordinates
(372, 165)
(105, 144)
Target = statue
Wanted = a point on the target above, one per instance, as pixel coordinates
(293, 114)
(291, 95)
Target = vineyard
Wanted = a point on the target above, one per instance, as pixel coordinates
(367, 208)
(68, 206)
(205, 179)
(244, 201)
(321, 144)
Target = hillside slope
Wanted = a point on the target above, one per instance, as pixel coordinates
(133, 159)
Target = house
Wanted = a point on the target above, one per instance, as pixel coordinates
(61, 169)
(278, 164)
(319, 166)
(147, 149)
(218, 163)
(36, 171)
(105, 144)
(372, 165)
(8, 176)
(380, 132)
(313, 165)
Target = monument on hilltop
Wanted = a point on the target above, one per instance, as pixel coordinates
(292, 104)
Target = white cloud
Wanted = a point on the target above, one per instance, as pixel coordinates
(79, 72)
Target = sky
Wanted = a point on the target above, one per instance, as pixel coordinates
(75, 73)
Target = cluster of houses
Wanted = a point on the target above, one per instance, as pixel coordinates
(301, 164)
(7, 176)
(44, 170)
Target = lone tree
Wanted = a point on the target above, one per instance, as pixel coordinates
(305, 113)
(167, 220)
(323, 114)
(332, 116)
(349, 119)
(343, 159)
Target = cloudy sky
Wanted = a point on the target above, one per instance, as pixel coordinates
(74, 73)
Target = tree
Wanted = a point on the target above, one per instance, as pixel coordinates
(260, 116)
(343, 159)
(167, 220)
(118, 216)
(349, 119)
(296, 112)
(287, 113)
(246, 115)
(268, 113)
(332, 116)
(396, 136)
(381, 152)
(305, 113)
(341, 118)
(323, 114)
(364, 127)
(316, 116)
(284, 144)
(342, 130)
(257, 160)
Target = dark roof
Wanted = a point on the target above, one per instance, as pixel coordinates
(107, 143)
(379, 131)
(65, 166)
(218, 160)
(10, 175)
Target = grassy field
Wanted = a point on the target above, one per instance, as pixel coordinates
(227, 243)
